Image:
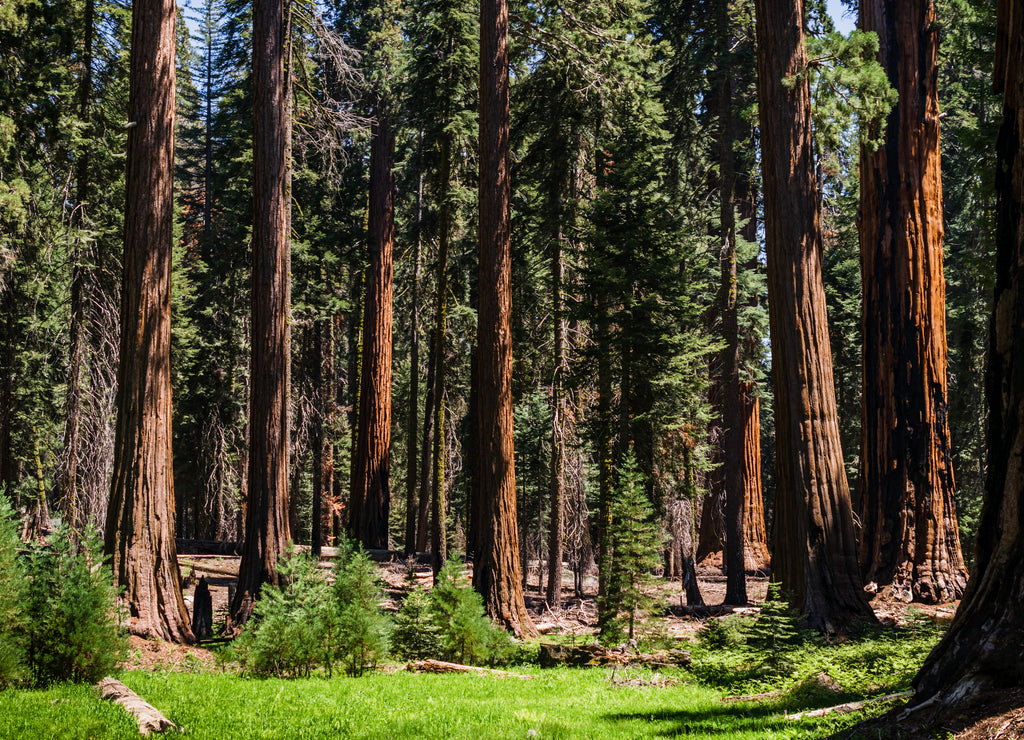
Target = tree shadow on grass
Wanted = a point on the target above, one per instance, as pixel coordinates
(709, 721)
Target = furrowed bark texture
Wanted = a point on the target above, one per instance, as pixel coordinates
(910, 546)
(371, 493)
(266, 518)
(496, 569)
(815, 552)
(140, 518)
(755, 539)
(985, 643)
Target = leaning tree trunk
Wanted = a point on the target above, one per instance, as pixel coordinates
(371, 491)
(140, 518)
(496, 570)
(910, 546)
(266, 518)
(985, 643)
(815, 553)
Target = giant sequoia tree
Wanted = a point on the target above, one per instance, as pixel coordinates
(815, 553)
(910, 545)
(984, 645)
(266, 518)
(496, 568)
(140, 517)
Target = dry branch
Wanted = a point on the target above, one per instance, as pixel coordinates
(852, 706)
(441, 666)
(149, 717)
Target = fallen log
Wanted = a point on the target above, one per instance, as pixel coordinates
(442, 666)
(148, 717)
(852, 706)
(577, 656)
(211, 568)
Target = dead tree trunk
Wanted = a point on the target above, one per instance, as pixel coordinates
(496, 571)
(266, 518)
(815, 552)
(985, 642)
(140, 518)
(910, 545)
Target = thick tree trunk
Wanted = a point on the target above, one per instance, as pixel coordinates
(910, 546)
(140, 518)
(266, 518)
(496, 571)
(815, 552)
(985, 642)
(371, 491)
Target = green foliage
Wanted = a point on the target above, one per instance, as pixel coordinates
(12, 597)
(287, 635)
(72, 620)
(467, 635)
(776, 630)
(636, 551)
(721, 633)
(360, 630)
(416, 635)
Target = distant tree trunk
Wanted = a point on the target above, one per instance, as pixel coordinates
(412, 445)
(496, 571)
(815, 552)
(606, 612)
(323, 451)
(371, 491)
(140, 518)
(985, 642)
(438, 530)
(266, 518)
(423, 508)
(70, 504)
(910, 544)
(755, 540)
(557, 476)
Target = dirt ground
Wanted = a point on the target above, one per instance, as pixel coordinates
(991, 717)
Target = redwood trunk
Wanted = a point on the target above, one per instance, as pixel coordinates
(984, 645)
(266, 518)
(815, 553)
(910, 545)
(371, 491)
(496, 573)
(140, 517)
(755, 540)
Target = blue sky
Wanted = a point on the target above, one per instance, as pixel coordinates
(845, 20)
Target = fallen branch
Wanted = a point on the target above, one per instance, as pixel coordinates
(852, 706)
(148, 716)
(441, 666)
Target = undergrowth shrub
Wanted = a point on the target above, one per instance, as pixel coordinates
(72, 625)
(416, 635)
(467, 635)
(360, 631)
(776, 631)
(288, 631)
(721, 633)
(12, 596)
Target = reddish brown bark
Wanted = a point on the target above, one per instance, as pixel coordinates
(371, 490)
(266, 518)
(985, 642)
(755, 539)
(815, 553)
(140, 518)
(910, 546)
(496, 569)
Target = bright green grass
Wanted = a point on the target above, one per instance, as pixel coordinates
(561, 703)
(564, 703)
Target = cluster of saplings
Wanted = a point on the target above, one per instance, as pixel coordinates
(315, 623)
(58, 618)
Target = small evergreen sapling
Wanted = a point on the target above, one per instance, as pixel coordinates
(467, 635)
(288, 633)
(361, 631)
(636, 541)
(72, 619)
(416, 636)
(776, 630)
(12, 600)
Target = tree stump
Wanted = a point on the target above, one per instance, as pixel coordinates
(202, 611)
